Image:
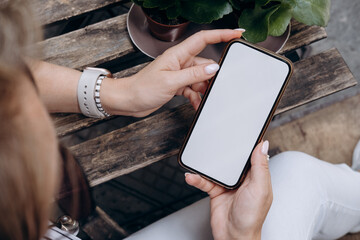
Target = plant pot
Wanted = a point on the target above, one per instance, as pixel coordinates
(168, 33)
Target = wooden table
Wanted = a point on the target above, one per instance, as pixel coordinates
(140, 142)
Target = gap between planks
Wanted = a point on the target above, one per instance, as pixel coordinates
(51, 11)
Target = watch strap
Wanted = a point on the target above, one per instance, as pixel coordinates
(86, 93)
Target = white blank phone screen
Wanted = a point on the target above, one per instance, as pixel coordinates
(234, 114)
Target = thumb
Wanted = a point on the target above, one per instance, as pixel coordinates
(260, 174)
(195, 74)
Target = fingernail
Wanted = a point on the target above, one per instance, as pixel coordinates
(212, 68)
(265, 147)
(186, 174)
(240, 29)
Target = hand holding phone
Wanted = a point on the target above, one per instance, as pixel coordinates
(235, 113)
(250, 203)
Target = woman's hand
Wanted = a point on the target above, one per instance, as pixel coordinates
(178, 71)
(240, 214)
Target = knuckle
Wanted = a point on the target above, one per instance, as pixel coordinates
(200, 34)
(211, 189)
(203, 184)
(167, 52)
(195, 73)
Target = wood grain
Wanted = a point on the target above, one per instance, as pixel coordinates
(69, 123)
(311, 79)
(108, 40)
(303, 35)
(160, 136)
(89, 46)
(50, 11)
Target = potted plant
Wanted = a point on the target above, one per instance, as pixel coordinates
(177, 13)
(260, 18)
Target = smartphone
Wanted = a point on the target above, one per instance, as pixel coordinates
(234, 113)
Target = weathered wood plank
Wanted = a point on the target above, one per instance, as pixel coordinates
(160, 136)
(311, 79)
(108, 40)
(303, 35)
(75, 122)
(50, 11)
(68, 123)
(89, 46)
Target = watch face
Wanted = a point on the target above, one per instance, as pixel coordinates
(102, 70)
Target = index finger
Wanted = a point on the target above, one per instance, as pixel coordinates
(193, 45)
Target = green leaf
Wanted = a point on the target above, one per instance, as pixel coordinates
(174, 11)
(280, 19)
(204, 11)
(256, 22)
(311, 12)
(161, 4)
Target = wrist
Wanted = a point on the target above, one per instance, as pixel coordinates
(115, 96)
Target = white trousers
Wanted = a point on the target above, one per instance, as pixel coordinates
(313, 199)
